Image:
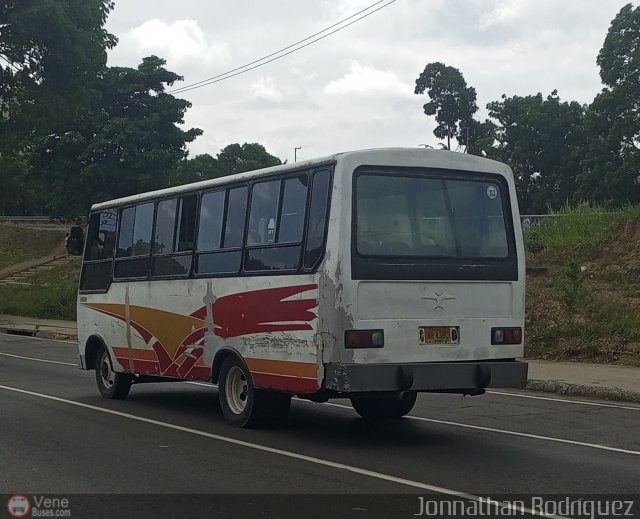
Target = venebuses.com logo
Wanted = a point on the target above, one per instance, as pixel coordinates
(38, 506)
(18, 506)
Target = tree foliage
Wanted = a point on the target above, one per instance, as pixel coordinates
(451, 101)
(612, 167)
(130, 143)
(234, 158)
(543, 140)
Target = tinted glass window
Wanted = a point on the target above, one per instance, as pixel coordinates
(264, 213)
(236, 217)
(135, 230)
(294, 205)
(165, 227)
(101, 237)
(317, 219)
(219, 262)
(132, 268)
(211, 211)
(125, 237)
(172, 265)
(187, 223)
(272, 258)
(96, 276)
(142, 229)
(429, 217)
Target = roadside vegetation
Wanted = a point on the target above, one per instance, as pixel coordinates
(583, 287)
(20, 243)
(51, 296)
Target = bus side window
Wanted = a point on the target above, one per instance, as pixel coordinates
(317, 219)
(98, 260)
(174, 236)
(219, 251)
(134, 242)
(276, 224)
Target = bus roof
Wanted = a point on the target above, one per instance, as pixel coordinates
(375, 156)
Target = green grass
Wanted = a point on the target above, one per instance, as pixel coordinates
(576, 227)
(52, 296)
(19, 243)
(586, 305)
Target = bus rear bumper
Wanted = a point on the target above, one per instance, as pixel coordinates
(453, 377)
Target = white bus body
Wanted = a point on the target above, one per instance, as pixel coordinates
(372, 275)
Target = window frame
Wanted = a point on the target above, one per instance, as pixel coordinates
(379, 267)
(226, 189)
(308, 172)
(176, 232)
(131, 259)
(110, 260)
(243, 249)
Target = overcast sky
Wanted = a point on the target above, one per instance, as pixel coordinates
(354, 89)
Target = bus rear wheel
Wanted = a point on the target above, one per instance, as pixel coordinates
(387, 406)
(111, 384)
(242, 404)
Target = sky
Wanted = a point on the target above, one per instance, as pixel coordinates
(355, 88)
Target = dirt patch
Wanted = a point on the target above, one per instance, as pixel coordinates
(20, 244)
(586, 305)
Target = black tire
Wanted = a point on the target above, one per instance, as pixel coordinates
(385, 407)
(111, 384)
(242, 404)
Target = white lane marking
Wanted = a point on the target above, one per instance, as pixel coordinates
(413, 417)
(39, 360)
(563, 400)
(288, 454)
(14, 336)
(511, 433)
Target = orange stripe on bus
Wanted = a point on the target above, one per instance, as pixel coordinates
(138, 353)
(283, 367)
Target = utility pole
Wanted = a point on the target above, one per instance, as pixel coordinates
(295, 153)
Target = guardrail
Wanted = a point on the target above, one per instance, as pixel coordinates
(26, 219)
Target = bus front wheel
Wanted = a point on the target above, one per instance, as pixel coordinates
(242, 404)
(111, 384)
(387, 406)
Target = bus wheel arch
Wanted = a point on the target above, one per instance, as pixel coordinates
(92, 346)
(219, 358)
(111, 384)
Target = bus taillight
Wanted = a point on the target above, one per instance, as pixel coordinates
(364, 339)
(506, 335)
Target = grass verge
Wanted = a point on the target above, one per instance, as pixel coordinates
(20, 243)
(586, 304)
(52, 295)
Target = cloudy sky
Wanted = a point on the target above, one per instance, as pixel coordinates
(354, 89)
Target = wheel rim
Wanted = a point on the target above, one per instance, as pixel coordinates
(107, 375)
(236, 390)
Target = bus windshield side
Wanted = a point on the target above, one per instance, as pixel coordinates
(430, 216)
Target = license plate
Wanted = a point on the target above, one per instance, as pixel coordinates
(438, 335)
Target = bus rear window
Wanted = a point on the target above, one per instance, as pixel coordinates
(430, 217)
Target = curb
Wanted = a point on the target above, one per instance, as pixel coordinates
(41, 334)
(605, 392)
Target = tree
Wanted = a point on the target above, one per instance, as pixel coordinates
(543, 140)
(54, 50)
(129, 143)
(200, 167)
(51, 52)
(451, 101)
(235, 158)
(612, 165)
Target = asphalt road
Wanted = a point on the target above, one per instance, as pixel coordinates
(59, 437)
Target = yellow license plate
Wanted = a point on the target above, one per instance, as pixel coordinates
(438, 335)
